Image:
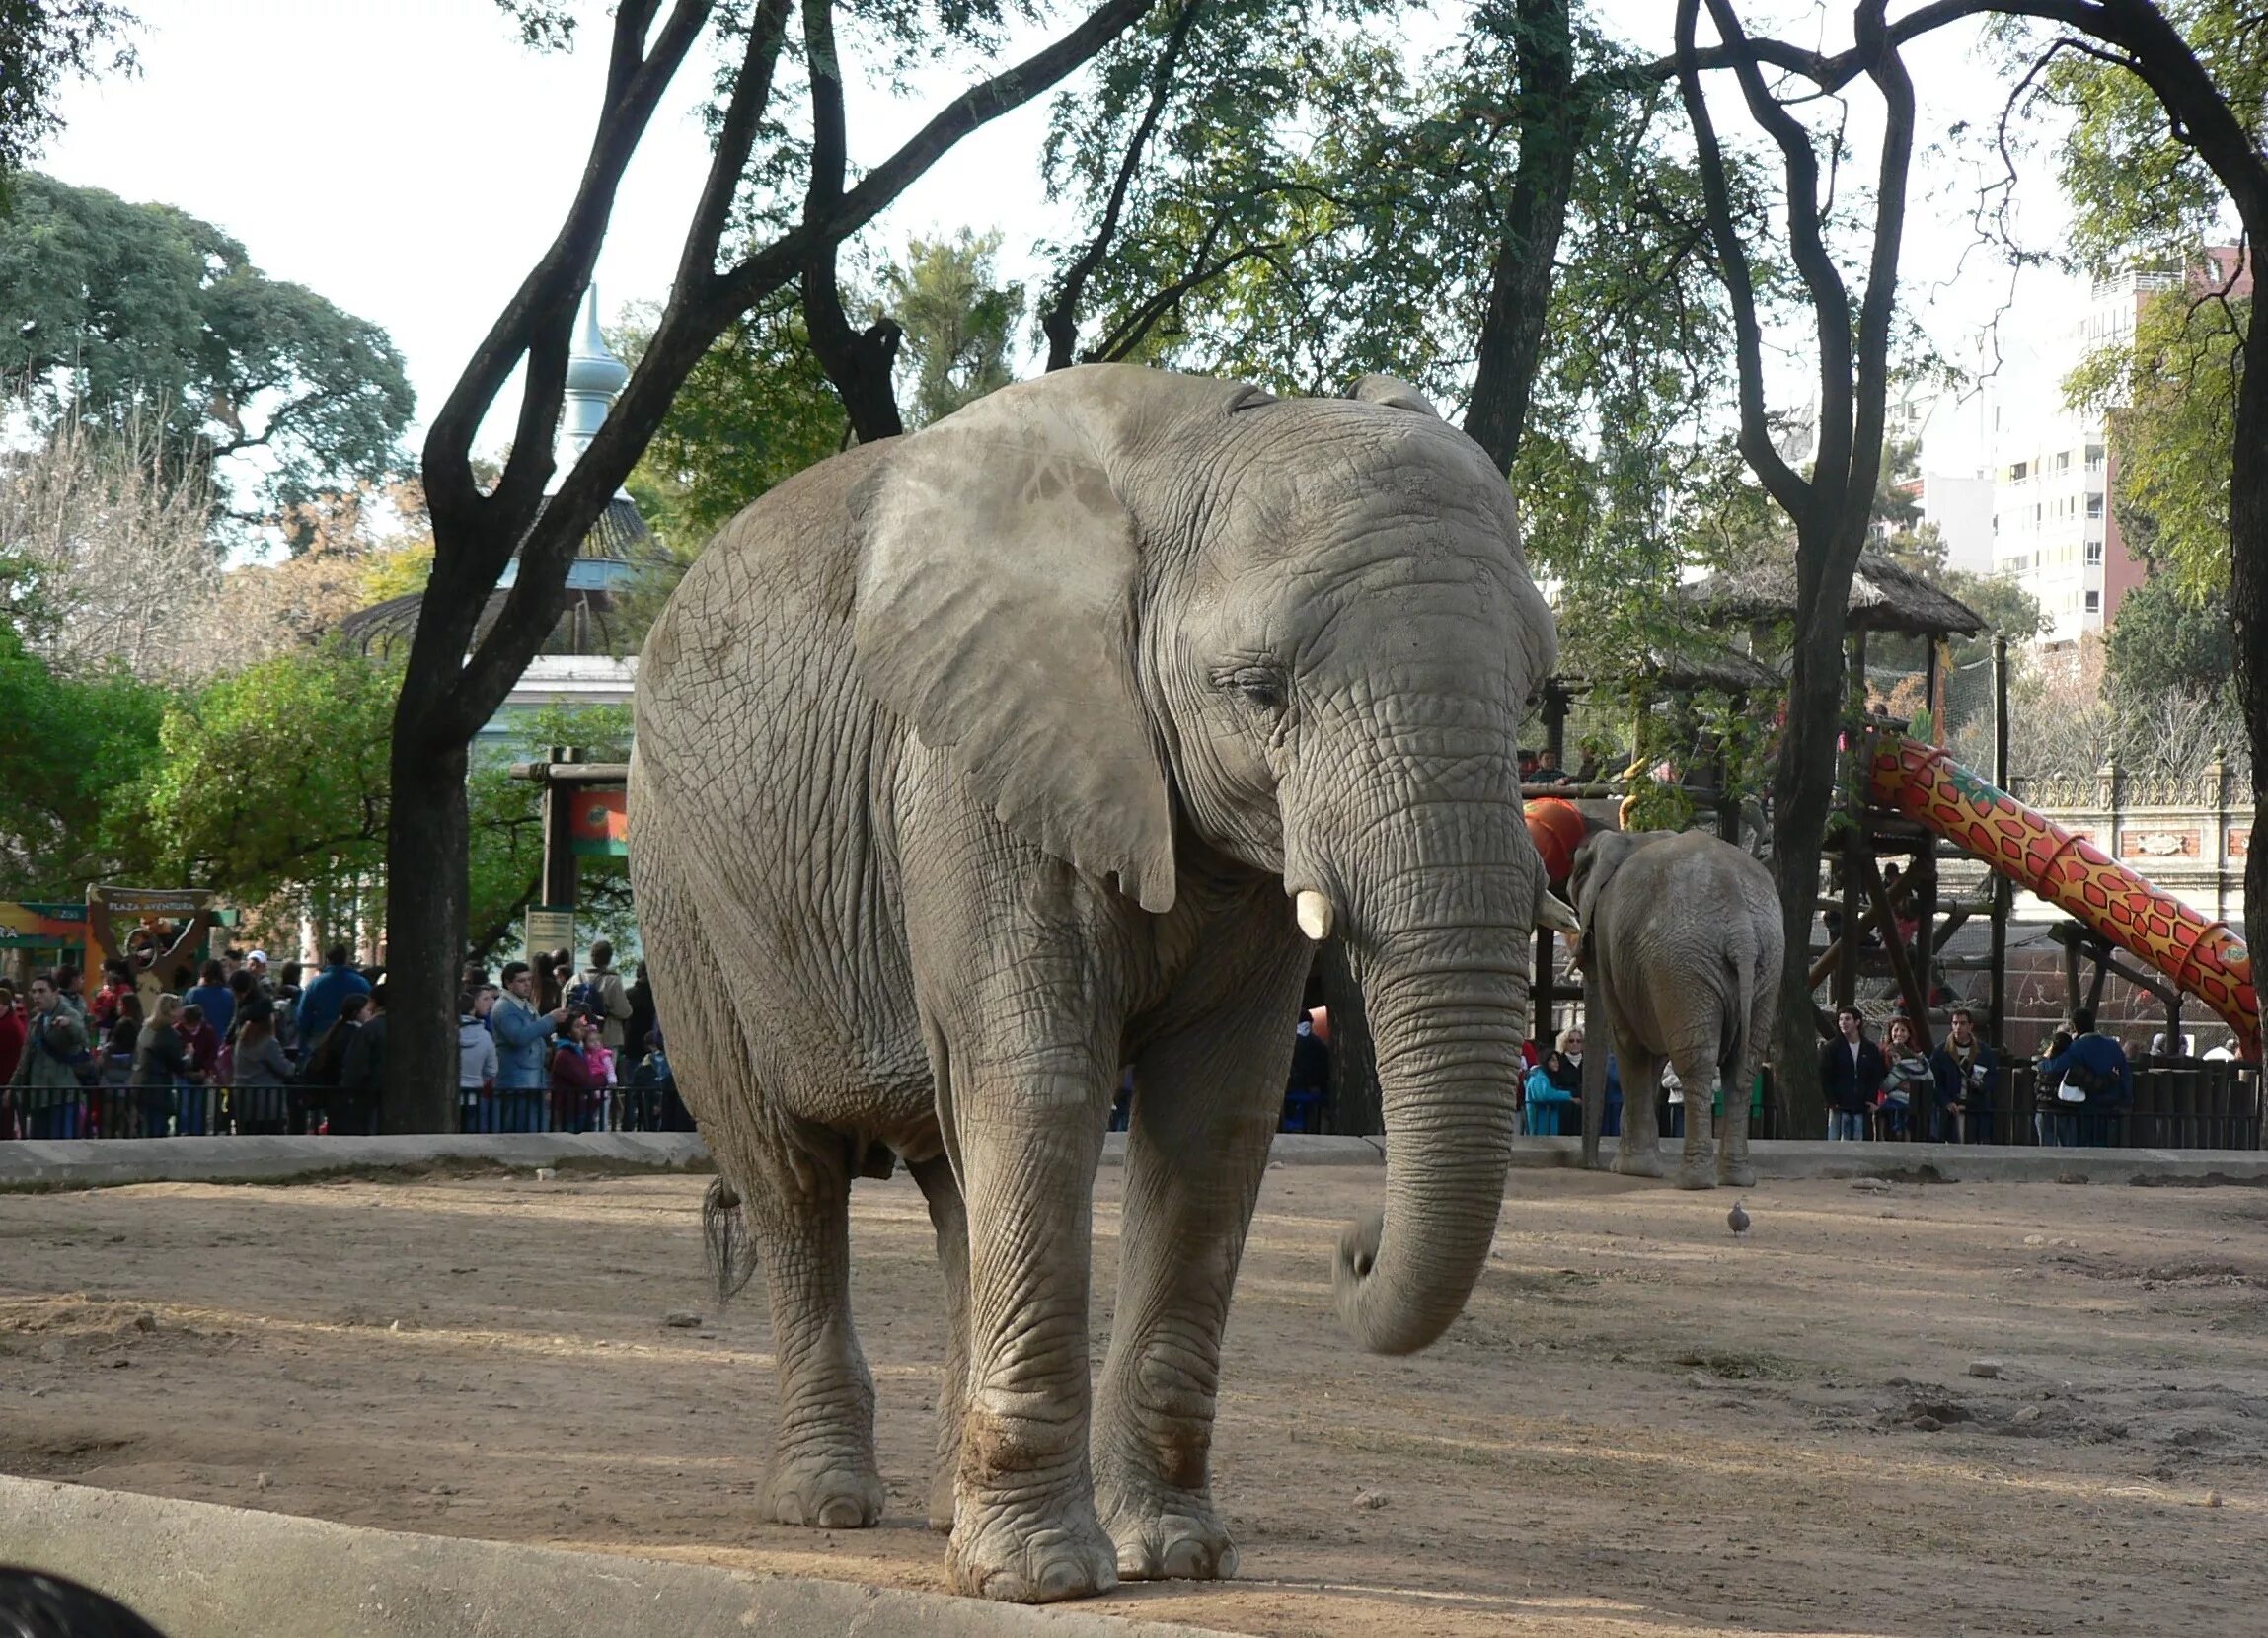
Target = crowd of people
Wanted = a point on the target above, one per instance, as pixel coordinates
(548, 1048)
(2083, 1084)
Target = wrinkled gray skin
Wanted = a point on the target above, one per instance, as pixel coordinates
(1680, 952)
(974, 764)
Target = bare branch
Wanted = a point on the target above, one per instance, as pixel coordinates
(1060, 323)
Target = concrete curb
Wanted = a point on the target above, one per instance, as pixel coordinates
(201, 1571)
(80, 1163)
(89, 1163)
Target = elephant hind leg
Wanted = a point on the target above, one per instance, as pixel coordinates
(1696, 1168)
(949, 1216)
(1638, 1152)
(795, 1190)
(823, 1471)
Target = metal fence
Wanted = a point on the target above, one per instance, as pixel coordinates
(33, 1112)
(2177, 1106)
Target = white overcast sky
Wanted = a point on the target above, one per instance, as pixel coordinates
(408, 160)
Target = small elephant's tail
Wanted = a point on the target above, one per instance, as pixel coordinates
(727, 1249)
(1733, 1044)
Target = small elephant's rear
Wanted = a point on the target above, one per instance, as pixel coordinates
(1683, 948)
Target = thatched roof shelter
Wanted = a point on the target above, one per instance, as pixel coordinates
(1884, 597)
(1680, 664)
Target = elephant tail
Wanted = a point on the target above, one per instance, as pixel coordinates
(1733, 1044)
(727, 1249)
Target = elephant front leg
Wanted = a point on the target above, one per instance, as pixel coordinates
(1023, 1524)
(1206, 1106)
(824, 1472)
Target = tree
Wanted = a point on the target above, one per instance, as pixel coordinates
(2165, 640)
(2171, 102)
(270, 785)
(106, 559)
(456, 677)
(958, 322)
(122, 313)
(1832, 506)
(72, 744)
(754, 412)
(43, 42)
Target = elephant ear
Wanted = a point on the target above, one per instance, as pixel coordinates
(1596, 862)
(996, 613)
(1395, 394)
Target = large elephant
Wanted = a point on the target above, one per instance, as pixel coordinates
(975, 764)
(1680, 952)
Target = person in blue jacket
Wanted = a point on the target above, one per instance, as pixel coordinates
(523, 1049)
(2096, 1066)
(1554, 1084)
(318, 1002)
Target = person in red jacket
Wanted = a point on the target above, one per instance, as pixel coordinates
(573, 1081)
(14, 1029)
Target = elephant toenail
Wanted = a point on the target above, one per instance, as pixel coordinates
(1226, 1568)
(1184, 1561)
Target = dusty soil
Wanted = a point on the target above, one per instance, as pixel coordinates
(1639, 1425)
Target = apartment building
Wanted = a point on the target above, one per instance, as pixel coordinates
(2021, 485)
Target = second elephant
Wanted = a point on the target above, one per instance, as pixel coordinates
(1681, 949)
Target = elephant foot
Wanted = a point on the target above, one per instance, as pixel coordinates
(1165, 1535)
(1035, 1549)
(1636, 1162)
(1736, 1174)
(1699, 1175)
(818, 1494)
(940, 1501)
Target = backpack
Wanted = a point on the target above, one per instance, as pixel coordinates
(2094, 1082)
(585, 1001)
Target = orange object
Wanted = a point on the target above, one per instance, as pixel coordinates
(1557, 827)
(2204, 957)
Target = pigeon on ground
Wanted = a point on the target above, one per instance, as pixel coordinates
(1737, 1219)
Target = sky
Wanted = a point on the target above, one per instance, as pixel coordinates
(410, 160)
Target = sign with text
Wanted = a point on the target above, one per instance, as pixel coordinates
(549, 927)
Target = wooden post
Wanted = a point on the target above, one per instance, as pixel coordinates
(561, 877)
(1924, 865)
(1917, 1003)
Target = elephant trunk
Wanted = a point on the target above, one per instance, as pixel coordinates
(1448, 1009)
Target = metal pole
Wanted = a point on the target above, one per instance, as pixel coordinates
(2002, 895)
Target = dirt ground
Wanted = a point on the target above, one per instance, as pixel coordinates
(1639, 1425)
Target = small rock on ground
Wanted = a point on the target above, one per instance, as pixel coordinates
(682, 1319)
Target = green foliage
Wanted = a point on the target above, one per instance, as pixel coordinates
(2139, 190)
(1311, 208)
(271, 784)
(43, 42)
(2166, 640)
(119, 312)
(958, 322)
(756, 411)
(2169, 398)
(70, 745)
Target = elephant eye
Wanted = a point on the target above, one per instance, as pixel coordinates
(1262, 687)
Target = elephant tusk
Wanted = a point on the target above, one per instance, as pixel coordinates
(1554, 912)
(1315, 914)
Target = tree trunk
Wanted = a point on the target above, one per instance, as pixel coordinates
(1804, 790)
(1553, 116)
(2248, 605)
(426, 909)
